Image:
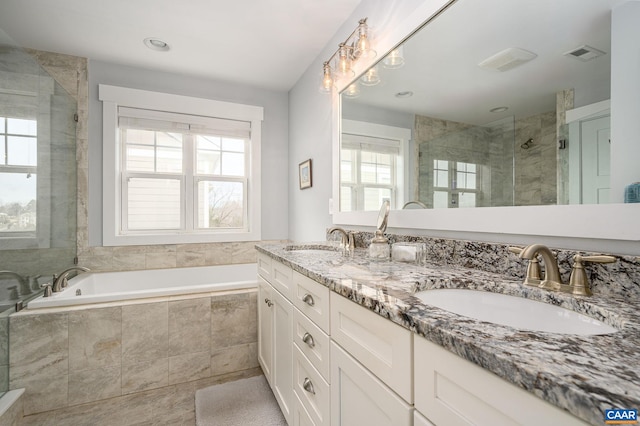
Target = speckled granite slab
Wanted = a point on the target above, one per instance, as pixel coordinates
(583, 375)
(621, 278)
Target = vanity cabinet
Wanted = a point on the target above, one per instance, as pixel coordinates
(359, 398)
(452, 391)
(275, 314)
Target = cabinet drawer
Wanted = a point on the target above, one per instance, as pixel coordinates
(300, 415)
(454, 391)
(281, 279)
(312, 341)
(420, 420)
(360, 398)
(312, 299)
(383, 347)
(264, 266)
(311, 388)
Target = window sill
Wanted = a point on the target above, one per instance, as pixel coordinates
(159, 239)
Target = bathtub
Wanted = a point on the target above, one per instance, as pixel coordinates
(103, 287)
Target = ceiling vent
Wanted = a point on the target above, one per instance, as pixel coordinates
(507, 59)
(584, 53)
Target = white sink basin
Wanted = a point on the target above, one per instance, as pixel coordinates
(513, 311)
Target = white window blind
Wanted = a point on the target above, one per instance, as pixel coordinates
(185, 169)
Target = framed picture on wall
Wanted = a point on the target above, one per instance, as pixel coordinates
(305, 174)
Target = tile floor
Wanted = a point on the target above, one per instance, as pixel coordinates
(169, 406)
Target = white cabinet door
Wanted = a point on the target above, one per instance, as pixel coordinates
(360, 398)
(265, 327)
(381, 346)
(281, 380)
(453, 391)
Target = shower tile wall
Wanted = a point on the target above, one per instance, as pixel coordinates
(535, 167)
(64, 359)
(490, 147)
(510, 175)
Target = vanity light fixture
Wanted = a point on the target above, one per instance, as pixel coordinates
(339, 65)
(371, 77)
(395, 59)
(156, 44)
(353, 91)
(499, 109)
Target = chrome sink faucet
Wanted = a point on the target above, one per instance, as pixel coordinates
(347, 241)
(60, 282)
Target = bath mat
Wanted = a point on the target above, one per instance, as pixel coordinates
(245, 402)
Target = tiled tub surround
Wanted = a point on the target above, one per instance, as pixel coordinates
(64, 357)
(581, 374)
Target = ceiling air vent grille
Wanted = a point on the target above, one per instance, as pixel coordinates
(584, 53)
(507, 59)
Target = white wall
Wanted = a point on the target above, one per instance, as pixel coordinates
(274, 135)
(625, 98)
(310, 120)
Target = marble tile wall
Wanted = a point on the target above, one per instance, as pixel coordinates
(79, 356)
(535, 167)
(619, 279)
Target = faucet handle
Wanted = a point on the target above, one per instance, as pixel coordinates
(578, 282)
(534, 273)
(47, 289)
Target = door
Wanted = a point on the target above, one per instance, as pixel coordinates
(282, 373)
(265, 328)
(596, 160)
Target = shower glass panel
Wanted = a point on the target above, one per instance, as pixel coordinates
(466, 166)
(37, 183)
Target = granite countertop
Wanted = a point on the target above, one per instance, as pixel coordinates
(583, 375)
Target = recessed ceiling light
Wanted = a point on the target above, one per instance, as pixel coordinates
(156, 44)
(406, 94)
(499, 109)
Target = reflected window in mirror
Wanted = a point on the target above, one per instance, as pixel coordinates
(372, 159)
(18, 177)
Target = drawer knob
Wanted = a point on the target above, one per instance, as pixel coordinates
(308, 299)
(308, 339)
(308, 386)
(268, 302)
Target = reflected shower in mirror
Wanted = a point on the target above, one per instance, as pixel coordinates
(508, 110)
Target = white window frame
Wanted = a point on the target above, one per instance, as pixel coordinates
(113, 97)
(400, 180)
(41, 88)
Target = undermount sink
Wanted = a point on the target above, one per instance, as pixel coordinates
(513, 311)
(313, 248)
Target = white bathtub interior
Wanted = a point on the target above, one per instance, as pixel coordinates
(103, 287)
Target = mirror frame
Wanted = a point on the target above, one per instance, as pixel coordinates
(612, 222)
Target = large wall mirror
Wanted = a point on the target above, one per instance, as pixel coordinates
(490, 104)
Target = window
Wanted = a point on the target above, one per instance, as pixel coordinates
(180, 176)
(18, 177)
(371, 171)
(455, 184)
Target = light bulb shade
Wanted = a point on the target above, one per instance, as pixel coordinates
(371, 77)
(362, 46)
(343, 67)
(352, 91)
(395, 58)
(327, 79)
